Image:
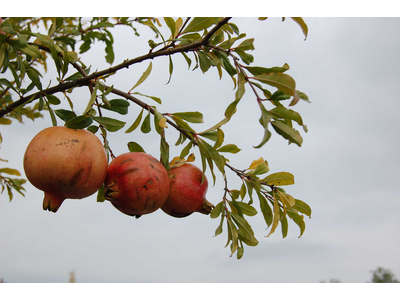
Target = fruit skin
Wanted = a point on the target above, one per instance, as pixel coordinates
(65, 163)
(136, 184)
(187, 194)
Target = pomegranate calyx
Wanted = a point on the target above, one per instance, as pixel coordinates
(206, 207)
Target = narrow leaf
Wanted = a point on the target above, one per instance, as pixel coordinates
(278, 179)
(136, 123)
(192, 117)
(198, 24)
(144, 76)
(110, 124)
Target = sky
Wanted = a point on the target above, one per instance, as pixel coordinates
(346, 169)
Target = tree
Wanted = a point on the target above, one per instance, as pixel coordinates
(26, 50)
(381, 275)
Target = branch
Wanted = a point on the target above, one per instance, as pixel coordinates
(86, 80)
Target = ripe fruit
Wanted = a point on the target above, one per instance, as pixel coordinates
(187, 194)
(65, 163)
(136, 184)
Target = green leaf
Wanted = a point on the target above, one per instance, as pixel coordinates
(210, 152)
(220, 227)
(164, 150)
(118, 105)
(192, 117)
(92, 99)
(243, 226)
(283, 82)
(64, 114)
(279, 179)
(246, 45)
(170, 68)
(284, 226)
(52, 99)
(136, 123)
(247, 209)
(231, 148)
(144, 76)
(171, 25)
(204, 61)
(110, 124)
(185, 151)
(33, 75)
(261, 70)
(265, 209)
(100, 194)
(217, 210)
(287, 132)
(10, 171)
(188, 60)
(93, 128)
(302, 24)
(302, 207)
(158, 100)
(146, 127)
(276, 219)
(284, 113)
(52, 115)
(32, 51)
(299, 220)
(135, 147)
(198, 24)
(79, 122)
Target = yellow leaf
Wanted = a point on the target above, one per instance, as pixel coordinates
(255, 163)
(163, 123)
(277, 179)
(275, 222)
(287, 200)
(191, 158)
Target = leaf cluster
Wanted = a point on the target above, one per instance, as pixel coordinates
(205, 43)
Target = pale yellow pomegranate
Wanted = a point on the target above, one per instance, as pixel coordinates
(65, 163)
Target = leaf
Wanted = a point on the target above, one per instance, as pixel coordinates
(192, 117)
(302, 24)
(284, 113)
(279, 179)
(110, 124)
(302, 207)
(5, 121)
(283, 82)
(10, 171)
(287, 132)
(32, 51)
(231, 148)
(220, 139)
(284, 226)
(198, 24)
(261, 168)
(275, 222)
(210, 152)
(146, 128)
(144, 76)
(204, 61)
(52, 115)
(164, 150)
(136, 123)
(100, 194)
(217, 210)
(265, 209)
(118, 105)
(246, 45)
(170, 68)
(299, 220)
(219, 228)
(52, 99)
(261, 70)
(92, 99)
(34, 77)
(79, 122)
(158, 100)
(171, 25)
(216, 126)
(264, 121)
(135, 147)
(64, 114)
(243, 226)
(247, 209)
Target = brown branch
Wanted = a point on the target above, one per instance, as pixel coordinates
(86, 80)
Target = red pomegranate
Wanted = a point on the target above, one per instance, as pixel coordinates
(187, 194)
(136, 184)
(65, 163)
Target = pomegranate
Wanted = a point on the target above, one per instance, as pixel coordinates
(136, 184)
(187, 193)
(65, 163)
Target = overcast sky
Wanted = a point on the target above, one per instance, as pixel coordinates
(346, 170)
